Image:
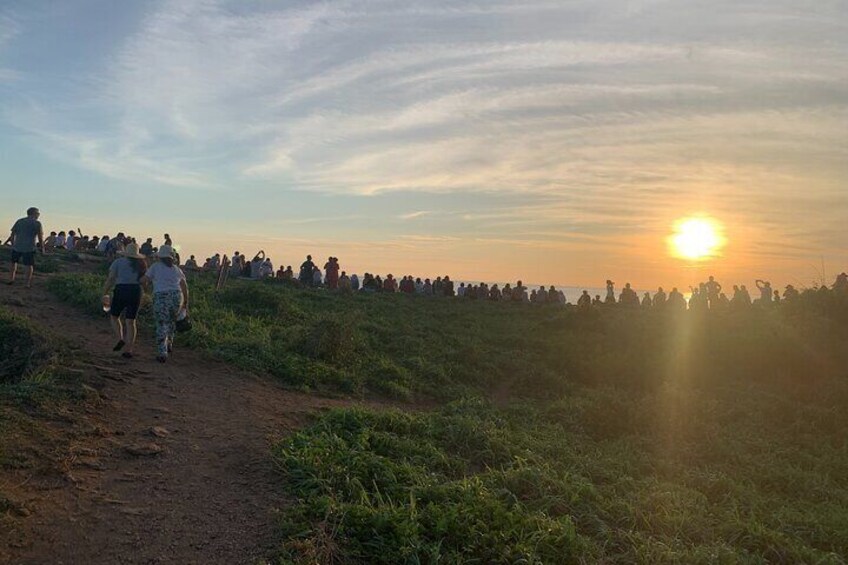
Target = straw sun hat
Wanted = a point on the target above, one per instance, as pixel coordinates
(132, 252)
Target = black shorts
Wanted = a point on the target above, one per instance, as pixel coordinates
(126, 299)
(27, 259)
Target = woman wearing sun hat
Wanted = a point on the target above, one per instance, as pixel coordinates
(170, 295)
(124, 281)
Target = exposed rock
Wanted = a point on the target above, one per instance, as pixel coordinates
(144, 449)
(159, 431)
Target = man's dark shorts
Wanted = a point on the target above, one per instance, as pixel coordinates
(26, 259)
(126, 299)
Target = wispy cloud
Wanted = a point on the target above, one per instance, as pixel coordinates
(599, 117)
(414, 215)
(9, 28)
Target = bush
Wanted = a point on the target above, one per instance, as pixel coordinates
(23, 349)
(331, 339)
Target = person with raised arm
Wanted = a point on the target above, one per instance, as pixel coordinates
(765, 292)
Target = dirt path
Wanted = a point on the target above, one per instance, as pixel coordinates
(170, 465)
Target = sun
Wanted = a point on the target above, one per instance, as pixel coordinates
(696, 238)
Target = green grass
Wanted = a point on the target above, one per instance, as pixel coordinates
(612, 435)
(472, 483)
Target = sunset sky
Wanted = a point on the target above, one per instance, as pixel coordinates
(554, 141)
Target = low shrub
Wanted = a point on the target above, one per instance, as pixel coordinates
(23, 349)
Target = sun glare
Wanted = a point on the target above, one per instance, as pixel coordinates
(696, 238)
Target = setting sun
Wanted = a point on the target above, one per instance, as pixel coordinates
(696, 238)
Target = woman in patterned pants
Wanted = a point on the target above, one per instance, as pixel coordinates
(170, 295)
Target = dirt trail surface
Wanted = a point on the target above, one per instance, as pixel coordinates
(167, 464)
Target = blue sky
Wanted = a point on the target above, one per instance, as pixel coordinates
(554, 141)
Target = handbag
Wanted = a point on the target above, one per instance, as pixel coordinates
(183, 321)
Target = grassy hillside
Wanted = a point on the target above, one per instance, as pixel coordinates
(32, 381)
(612, 435)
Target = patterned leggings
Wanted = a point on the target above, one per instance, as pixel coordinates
(166, 306)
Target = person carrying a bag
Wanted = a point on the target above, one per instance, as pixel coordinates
(170, 297)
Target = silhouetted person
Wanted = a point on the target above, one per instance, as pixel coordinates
(746, 296)
(256, 264)
(698, 300)
(713, 289)
(676, 302)
(306, 269)
(659, 298)
(147, 247)
(610, 298)
(628, 296)
(447, 286)
(494, 293)
(790, 293)
(519, 292)
(585, 301)
(765, 291)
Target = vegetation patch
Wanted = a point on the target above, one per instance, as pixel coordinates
(24, 351)
(394, 488)
(33, 382)
(472, 483)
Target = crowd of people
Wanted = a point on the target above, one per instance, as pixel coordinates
(133, 269)
(707, 295)
(137, 267)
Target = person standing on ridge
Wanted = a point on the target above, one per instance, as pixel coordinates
(25, 233)
(765, 292)
(147, 247)
(713, 290)
(610, 299)
(659, 298)
(306, 269)
(331, 272)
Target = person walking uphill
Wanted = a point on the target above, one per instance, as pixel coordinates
(25, 232)
(170, 295)
(125, 275)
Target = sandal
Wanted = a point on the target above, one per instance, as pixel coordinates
(127, 355)
(162, 358)
(119, 346)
